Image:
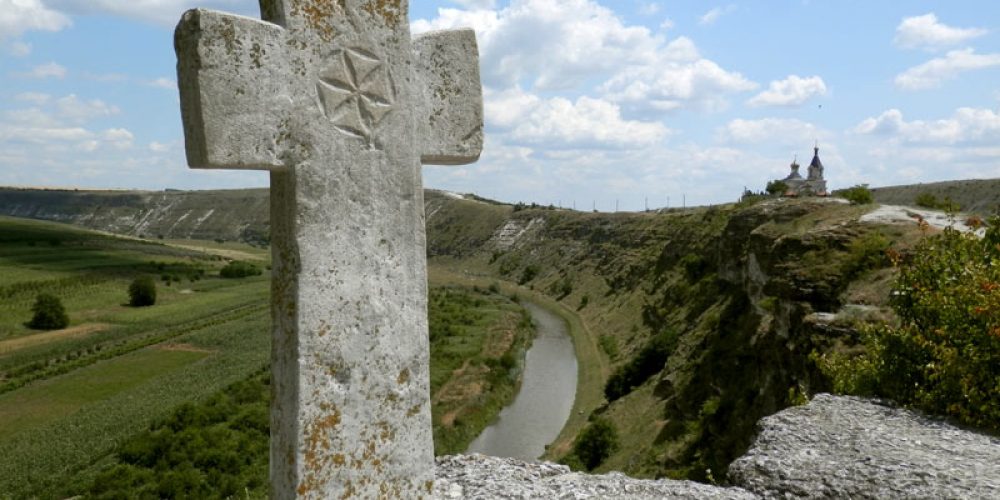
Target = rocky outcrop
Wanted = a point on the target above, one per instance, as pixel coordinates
(847, 447)
(833, 447)
(482, 477)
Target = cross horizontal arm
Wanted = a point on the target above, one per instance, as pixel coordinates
(451, 126)
(233, 77)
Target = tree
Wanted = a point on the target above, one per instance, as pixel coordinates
(239, 269)
(943, 356)
(858, 195)
(142, 292)
(596, 443)
(49, 313)
(776, 188)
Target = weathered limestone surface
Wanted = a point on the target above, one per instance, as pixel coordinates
(336, 101)
(833, 447)
(846, 447)
(483, 477)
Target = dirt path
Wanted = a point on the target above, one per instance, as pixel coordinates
(9, 346)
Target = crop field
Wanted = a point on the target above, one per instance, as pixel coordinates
(68, 397)
(71, 399)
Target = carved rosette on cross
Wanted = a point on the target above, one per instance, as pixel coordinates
(342, 107)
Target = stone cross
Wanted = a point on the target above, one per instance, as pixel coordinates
(342, 107)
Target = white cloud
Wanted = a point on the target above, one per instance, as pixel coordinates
(47, 70)
(669, 85)
(791, 91)
(163, 83)
(932, 73)
(713, 15)
(159, 147)
(118, 138)
(163, 12)
(36, 98)
(76, 110)
(784, 131)
(544, 45)
(649, 8)
(476, 4)
(549, 44)
(926, 32)
(18, 48)
(559, 123)
(19, 16)
(966, 125)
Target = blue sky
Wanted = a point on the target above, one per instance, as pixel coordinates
(587, 101)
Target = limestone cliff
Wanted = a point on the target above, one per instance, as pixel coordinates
(740, 294)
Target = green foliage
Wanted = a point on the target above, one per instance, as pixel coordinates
(609, 346)
(858, 195)
(561, 288)
(215, 449)
(239, 269)
(647, 363)
(48, 313)
(776, 188)
(870, 251)
(928, 200)
(944, 356)
(142, 292)
(528, 274)
(595, 444)
(583, 302)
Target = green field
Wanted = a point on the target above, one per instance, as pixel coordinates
(71, 400)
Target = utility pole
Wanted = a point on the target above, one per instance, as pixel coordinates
(616, 205)
(684, 203)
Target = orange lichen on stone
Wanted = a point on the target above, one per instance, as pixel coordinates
(390, 11)
(318, 15)
(317, 442)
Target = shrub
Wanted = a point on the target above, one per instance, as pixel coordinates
(48, 313)
(596, 443)
(528, 274)
(239, 269)
(944, 356)
(583, 302)
(858, 195)
(142, 292)
(776, 188)
(647, 363)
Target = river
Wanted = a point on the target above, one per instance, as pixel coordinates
(545, 400)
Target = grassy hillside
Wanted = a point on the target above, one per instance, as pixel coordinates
(974, 196)
(70, 399)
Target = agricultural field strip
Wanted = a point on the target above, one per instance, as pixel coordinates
(15, 380)
(42, 461)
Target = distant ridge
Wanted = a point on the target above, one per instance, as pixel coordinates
(979, 196)
(243, 214)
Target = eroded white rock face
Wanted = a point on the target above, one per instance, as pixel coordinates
(845, 447)
(336, 101)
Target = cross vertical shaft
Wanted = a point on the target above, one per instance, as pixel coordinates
(336, 101)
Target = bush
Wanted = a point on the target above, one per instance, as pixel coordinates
(49, 313)
(528, 274)
(239, 269)
(858, 195)
(944, 356)
(647, 363)
(142, 292)
(596, 443)
(776, 188)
